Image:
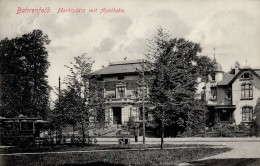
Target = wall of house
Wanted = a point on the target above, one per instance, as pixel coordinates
(221, 96)
(129, 81)
(127, 111)
(240, 103)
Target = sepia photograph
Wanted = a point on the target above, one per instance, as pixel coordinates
(129, 82)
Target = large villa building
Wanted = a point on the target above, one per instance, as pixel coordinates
(122, 91)
(231, 97)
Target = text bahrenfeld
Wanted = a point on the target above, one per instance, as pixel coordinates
(33, 10)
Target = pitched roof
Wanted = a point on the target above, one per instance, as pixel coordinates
(257, 71)
(120, 67)
(227, 77)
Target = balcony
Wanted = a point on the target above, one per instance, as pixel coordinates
(119, 100)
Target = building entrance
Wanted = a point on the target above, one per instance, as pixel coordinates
(117, 112)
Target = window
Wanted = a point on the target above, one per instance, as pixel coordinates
(120, 92)
(246, 90)
(140, 91)
(246, 75)
(213, 77)
(247, 114)
(228, 95)
(27, 126)
(203, 96)
(224, 115)
(213, 95)
(121, 78)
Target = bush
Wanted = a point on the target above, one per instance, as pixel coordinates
(131, 122)
(232, 130)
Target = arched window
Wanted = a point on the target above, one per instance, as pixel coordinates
(246, 75)
(247, 113)
(246, 90)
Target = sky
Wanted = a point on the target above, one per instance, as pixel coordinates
(232, 27)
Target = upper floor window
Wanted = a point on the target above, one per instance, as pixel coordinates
(246, 90)
(247, 113)
(121, 78)
(213, 77)
(246, 75)
(228, 95)
(213, 94)
(140, 91)
(120, 92)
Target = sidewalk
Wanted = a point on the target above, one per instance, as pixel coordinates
(187, 140)
(243, 150)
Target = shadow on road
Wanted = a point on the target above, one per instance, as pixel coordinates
(227, 162)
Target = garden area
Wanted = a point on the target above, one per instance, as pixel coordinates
(107, 155)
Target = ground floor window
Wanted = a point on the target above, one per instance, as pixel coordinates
(247, 114)
(224, 115)
(27, 126)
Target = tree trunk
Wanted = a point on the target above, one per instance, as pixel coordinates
(56, 137)
(73, 135)
(60, 135)
(162, 136)
(83, 133)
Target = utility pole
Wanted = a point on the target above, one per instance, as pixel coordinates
(143, 101)
(60, 127)
(59, 93)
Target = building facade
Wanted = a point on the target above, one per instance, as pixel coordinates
(232, 96)
(122, 91)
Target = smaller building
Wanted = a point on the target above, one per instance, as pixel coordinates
(232, 96)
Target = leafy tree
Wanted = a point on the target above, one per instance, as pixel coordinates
(64, 112)
(97, 100)
(176, 69)
(78, 87)
(23, 67)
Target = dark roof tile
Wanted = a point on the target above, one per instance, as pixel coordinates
(227, 77)
(120, 67)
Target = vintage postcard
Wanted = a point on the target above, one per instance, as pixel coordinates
(128, 82)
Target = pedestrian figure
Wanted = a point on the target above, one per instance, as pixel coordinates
(136, 133)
